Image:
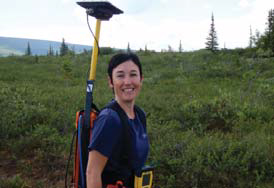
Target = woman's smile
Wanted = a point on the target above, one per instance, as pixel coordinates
(126, 82)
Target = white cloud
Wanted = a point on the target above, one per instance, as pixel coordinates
(243, 3)
(65, 1)
(259, 12)
(164, 1)
(80, 14)
(207, 6)
(154, 23)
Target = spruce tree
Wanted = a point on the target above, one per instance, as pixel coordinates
(251, 38)
(266, 40)
(180, 47)
(28, 50)
(256, 38)
(128, 47)
(64, 48)
(270, 30)
(50, 52)
(212, 43)
(169, 48)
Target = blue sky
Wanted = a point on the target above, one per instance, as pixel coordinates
(155, 23)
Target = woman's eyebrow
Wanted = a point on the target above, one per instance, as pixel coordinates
(120, 72)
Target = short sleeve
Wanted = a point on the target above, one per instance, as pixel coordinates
(106, 132)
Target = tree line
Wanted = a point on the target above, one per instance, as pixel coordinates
(63, 50)
(261, 42)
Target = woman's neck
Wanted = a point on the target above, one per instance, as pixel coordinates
(128, 107)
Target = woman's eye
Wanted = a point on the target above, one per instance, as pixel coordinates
(120, 76)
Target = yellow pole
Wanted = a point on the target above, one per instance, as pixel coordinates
(94, 57)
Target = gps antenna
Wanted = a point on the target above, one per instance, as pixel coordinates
(102, 11)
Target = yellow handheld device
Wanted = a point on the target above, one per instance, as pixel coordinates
(145, 181)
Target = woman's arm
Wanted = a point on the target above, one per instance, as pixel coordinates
(96, 164)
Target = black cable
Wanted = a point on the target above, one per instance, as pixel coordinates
(71, 147)
(93, 47)
(93, 35)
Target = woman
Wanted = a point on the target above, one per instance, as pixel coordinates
(106, 163)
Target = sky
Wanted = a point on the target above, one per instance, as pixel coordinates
(156, 24)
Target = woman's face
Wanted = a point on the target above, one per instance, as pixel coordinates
(126, 81)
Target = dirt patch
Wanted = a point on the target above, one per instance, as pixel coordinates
(33, 175)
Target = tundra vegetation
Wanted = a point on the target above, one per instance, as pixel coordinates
(210, 116)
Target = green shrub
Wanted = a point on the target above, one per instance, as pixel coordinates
(20, 111)
(218, 115)
(44, 144)
(213, 161)
(13, 182)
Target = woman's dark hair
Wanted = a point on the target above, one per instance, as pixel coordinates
(121, 58)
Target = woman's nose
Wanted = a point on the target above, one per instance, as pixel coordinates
(127, 80)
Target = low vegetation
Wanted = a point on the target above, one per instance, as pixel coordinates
(210, 117)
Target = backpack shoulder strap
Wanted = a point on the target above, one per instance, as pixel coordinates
(124, 158)
(123, 116)
(124, 120)
(141, 115)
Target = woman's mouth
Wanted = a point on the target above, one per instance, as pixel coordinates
(128, 89)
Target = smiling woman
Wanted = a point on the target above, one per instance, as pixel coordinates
(119, 145)
(125, 78)
(126, 82)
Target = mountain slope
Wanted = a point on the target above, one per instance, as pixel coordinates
(18, 46)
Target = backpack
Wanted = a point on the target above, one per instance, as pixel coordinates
(83, 137)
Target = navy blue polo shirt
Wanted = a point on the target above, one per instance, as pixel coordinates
(108, 139)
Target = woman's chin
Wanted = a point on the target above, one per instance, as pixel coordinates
(128, 99)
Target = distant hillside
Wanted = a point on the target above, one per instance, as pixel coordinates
(18, 46)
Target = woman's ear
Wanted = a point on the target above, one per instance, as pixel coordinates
(110, 84)
(142, 78)
(141, 81)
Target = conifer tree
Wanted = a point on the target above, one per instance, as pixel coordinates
(64, 48)
(270, 30)
(146, 48)
(85, 51)
(256, 38)
(251, 38)
(170, 48)
(212, 43)
(180, 47)
(28, 50)
(50, 52)
(128, 47)
(266, 40)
